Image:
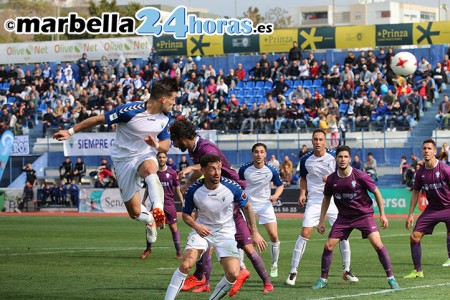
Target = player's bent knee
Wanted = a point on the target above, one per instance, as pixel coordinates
(415, 237)
(185, 267)
(306, 232)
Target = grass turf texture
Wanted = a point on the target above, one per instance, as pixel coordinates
(98, 258)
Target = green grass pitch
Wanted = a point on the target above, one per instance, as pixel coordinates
(98, 258)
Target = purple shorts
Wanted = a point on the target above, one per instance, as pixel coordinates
(171, 213)
(343, 226)
(430, 218)
(243, 236)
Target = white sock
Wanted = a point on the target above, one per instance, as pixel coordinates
(275, 249)
(344, 246)
(175, 284)
(145, 216)
(222, 289)
(297, 255)
(241, 258)
(155, 191)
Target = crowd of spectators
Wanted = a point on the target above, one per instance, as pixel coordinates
(287, 94)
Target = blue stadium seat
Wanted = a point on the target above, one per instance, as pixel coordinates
(6, 86)
(297, 83)
(249, 85)
(240, 94)
(317, 83)
(240, 85)
(259, 85)
(307, 83)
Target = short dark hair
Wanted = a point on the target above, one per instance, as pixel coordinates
(370, 153)
(182, 128)
(209, 158)
(161, 153)
(429, 141)
(259, 145)
(163, 88)
(319, 130)
(343, 148)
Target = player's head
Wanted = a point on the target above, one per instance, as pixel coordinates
(211, 168)
(343, 157)
(162, 159)
(165, 91)
(429, 150)
(182, 134)
(259, 152)
(319, 140)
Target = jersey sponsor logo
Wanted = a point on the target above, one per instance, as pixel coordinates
(212, 195)
(113, 117)
(151, 119)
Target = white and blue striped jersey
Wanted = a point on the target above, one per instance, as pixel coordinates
(313, 168)
(134, 124)
(258, 182)
(215, 207)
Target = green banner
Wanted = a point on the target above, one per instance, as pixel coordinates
(241, 44)
(169, 46)
(394, 34)
(396, 201)
(317, 38)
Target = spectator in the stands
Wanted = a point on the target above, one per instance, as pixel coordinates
(293, 72)
(356, 163)
(370, 166)
(287, 171)
(295, 53)
(183, 164)
(171, 164)
(443, 115)
(79, 170)
(74, 192)
(104, 170)
(65, 169)
(48, 120)
(240, 72)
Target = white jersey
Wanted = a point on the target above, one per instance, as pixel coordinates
(134, 124)
(215, 207)
(258, 182)
(313, 168)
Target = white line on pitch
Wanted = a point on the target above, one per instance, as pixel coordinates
(72, 250)
(386, 291)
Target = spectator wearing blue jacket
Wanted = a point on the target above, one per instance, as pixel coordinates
(382, 114)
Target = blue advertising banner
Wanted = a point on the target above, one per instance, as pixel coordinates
(6, 145)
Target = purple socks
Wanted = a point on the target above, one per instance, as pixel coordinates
(416, 254)
(385, 260)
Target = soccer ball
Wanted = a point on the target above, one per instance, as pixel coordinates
(404, 63)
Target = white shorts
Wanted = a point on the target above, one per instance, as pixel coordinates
(128, 178)
(265, 212)
(312, 214)
(224, 245)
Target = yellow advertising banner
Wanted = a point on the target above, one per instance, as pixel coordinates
(279, 41)
(204, 45)
(431, 33)
(355, 37)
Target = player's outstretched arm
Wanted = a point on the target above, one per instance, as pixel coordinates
(258, 240)
(86, 124)
(412, 206)
(183, 173)
(384, 221)
(323, 211)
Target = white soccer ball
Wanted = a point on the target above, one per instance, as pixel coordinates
(404, 63)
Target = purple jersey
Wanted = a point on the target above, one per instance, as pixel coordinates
(350, 193)
(169, 181)
(436, 184)
(203, 147)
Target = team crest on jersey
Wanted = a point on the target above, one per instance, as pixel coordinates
(223, 199)
(244, 196)
(353, 183)
(438, 174)
(162, 125)
(167, 175)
